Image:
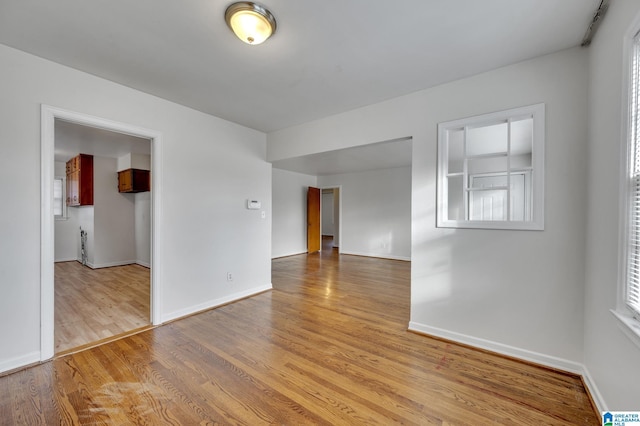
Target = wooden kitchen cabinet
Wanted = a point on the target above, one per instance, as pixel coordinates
(134, 180)
(80, 181)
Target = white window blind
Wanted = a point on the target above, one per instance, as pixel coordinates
(633, 249)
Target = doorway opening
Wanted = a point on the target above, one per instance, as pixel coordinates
(324, 210)
(96, 223)
(102, 235)
(330, 213)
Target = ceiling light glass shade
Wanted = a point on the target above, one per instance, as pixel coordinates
(251, 22)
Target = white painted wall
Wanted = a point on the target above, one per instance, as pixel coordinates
(67, 238)
(114, 217)
(376, 212)
(611, 358)
(327, 213)
(134, 161)
(519, 292)
(210, 168)
(142, 212)
(141, 161)
(289, 220)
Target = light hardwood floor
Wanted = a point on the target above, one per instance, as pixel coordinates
(96, 304)
(328, 345)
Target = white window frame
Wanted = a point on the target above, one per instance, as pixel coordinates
(63, 216)
(629, 318)
(537, 112)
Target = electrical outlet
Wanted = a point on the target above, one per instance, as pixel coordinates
(229, 276)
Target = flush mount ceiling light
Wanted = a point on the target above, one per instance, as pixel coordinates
(251, 22)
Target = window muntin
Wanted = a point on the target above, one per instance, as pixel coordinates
(491, 171)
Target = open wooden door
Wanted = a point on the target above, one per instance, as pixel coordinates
(313, 220)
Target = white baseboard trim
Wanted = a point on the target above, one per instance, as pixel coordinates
(110, 264)
(21, 361)
(214, 303)
(70, 259)
(524, 354)
(288, 254)
(379, 256)
(352, 253)
(593, 390)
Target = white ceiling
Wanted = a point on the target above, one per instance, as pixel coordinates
(326, 57)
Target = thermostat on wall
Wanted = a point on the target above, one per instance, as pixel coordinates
(253, 204)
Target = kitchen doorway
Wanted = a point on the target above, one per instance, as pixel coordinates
(51, 116)
(102, 235)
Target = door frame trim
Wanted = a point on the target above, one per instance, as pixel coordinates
(47, 238)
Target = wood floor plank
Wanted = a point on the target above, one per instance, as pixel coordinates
(339, 363)
(278, 366)
(97, 304)
(328, 345)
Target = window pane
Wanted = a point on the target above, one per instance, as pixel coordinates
(521, 136)
(488, 205)
(456, 198)
(518, 195)
(488, 181)
(455, 138)
(487, 139)
(485, 165)
(57, 197)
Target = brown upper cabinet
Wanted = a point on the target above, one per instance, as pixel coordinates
(80, 181)
(134, 180)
